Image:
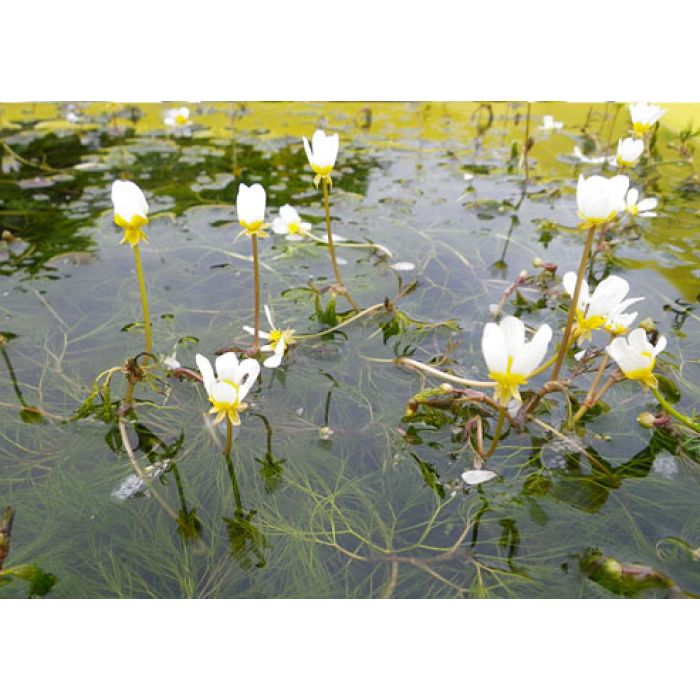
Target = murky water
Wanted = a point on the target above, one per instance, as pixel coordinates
(340, 495)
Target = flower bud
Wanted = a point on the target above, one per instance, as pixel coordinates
(646, 419)
(613, 568)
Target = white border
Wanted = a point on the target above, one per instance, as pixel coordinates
(148, 50)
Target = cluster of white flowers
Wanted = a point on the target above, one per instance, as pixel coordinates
(629, 150)
(512, 360)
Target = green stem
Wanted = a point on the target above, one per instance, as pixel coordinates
(676, 414)
(497, 433)
(588, 402)
(234, 484)
(574, 304)
(229, 436)
(256, 292)
(331, 247)
(144, 299)
(13, 377)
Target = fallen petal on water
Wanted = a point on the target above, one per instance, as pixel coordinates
(478, 476)
(403, 266)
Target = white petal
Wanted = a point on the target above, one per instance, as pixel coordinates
(478, 476)
(403, 266)
(618, 189)
(513, 334)
(250, 203)
(261, 334)
(289, 214)
(532, 354)
(647, 204)
(279, 226)
(206, 370)
(493, 347)
(276, 359)
(227, 367)
(225, 393)
(569, 284)
(128, 200)
(637, 340)
(268, 316)
(248, 372)
(660, 345)
(309, 152)
(607, 296)
(632, 197)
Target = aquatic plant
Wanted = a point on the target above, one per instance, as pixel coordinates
(322, 154)
(131, 214)
(340, 487)
(250, 205)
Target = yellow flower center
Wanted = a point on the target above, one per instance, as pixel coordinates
(625, 163)
(644, 374)
(585, 326)
(323, 174)
(227, 408)
(633, 209)
(255, 227)
(615, 328)
(132, 229)
(322, 170)
(589, 221)
(294, 228)
(640, 129)
(181, 120)
(508, 383)
(277, 335)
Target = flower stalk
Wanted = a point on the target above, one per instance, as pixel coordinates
(331, 246)
(676, 414)
(497, 433)
(589, 402)
(574, 304)
(144, 299)
(256, 293)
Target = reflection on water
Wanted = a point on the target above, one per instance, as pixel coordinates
(331, 491)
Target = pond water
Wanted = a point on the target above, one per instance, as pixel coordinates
(340, 494)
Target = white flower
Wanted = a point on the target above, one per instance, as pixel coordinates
(629, 151)
(511, 361)
(322, 154)
(643, 208)
(289, 222)
(130, 210)
(596, 160)
(177, 118)
(227, 390)
(548, 123)
(279, 340)
(472, 477)
(644, 116)
(602, 308)
(600, 198)
(250, 205)
(636, 356)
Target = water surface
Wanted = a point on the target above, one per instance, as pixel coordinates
(341, 496)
